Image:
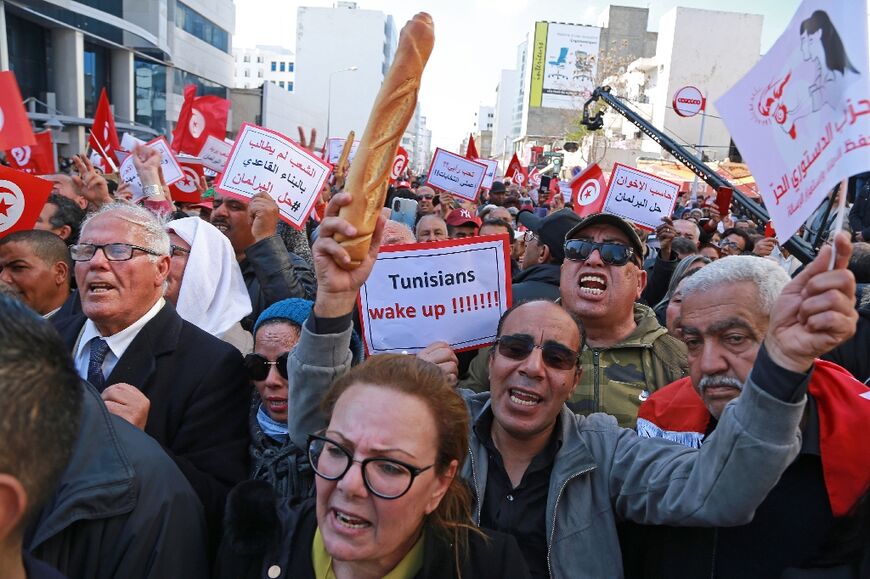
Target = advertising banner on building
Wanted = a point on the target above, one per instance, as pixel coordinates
(563, 64)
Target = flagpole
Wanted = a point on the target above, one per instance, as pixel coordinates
(103, 152)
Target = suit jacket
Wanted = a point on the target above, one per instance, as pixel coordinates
(199, 393)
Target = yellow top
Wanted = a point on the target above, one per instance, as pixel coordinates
(407, 568)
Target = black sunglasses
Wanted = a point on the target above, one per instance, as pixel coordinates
(258, 365)
(555, 355)
(611, 253)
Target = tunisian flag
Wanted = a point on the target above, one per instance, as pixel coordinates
(471, 150)
(104, 137)
(22, 198)
(38, 160)
(15, 128)
(588, 191)
(185, 190)
(516, 172)
(199, 118)
(400, 163)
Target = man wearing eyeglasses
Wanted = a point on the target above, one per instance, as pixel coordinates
(425, 201)
(181, 385)
(558, 481)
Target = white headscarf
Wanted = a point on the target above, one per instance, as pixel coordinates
(213, 295)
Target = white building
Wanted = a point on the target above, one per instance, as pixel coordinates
(64, 53)
(260, 64)
(342, 54)
(484, 118)
(686, 54)
(506, 94)
(417, 140)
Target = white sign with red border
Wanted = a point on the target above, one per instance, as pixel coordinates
(455, 291)
(214, 153)
(335, 146)
(640, 197)
(265, 161)
(689, 101)
(491, 169)
(171, 169)
(456, 174)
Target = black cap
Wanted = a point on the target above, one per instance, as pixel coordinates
(617, 222)
(551, 229)
(497, 187)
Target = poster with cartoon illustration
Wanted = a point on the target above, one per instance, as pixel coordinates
(801, 116)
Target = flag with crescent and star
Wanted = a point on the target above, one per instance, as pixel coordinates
(22, 198)
(588, 191)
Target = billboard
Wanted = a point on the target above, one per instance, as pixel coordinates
(564, 64)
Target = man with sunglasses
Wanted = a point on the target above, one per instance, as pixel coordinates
(184, 387)
(425, 201)
(628, 354)
(558, 481)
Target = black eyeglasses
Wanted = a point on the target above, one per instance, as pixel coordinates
(611, 253)
(428, 197)
(386, 478)
(112, 251)
(258, 365)
(173, 249)
(554, 354)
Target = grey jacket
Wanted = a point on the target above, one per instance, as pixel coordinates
(603, 473)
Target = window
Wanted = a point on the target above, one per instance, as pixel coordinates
(290, 67)
(290, 86)
(247, 58)
(198, 25)
(274, 66)
(283, 66)
(259, 74)
(96, 67)
(259, 60)
(247, 73)
(281, 84)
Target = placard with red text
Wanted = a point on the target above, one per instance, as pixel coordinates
(453, 291)
(214, 153)
(640, 197)
(265, 161)
(454, 174)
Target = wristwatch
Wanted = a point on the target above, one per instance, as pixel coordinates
(151, 190)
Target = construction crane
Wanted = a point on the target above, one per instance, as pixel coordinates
(797, 246)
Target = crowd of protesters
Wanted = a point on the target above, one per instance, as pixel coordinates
(185, 394)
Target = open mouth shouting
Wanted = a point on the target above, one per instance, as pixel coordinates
(592, 284)
(349, 521)
(524, 397)
(276, 404)
(97, 288)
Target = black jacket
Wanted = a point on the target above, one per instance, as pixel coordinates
(658, 279)
(284, 466)
(200, 395)
(259, 537)
(272, 274)
(538, 282)
(122, 508)
(859, 215)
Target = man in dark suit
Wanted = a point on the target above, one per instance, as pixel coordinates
(184, 387)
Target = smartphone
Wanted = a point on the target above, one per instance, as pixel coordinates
(404, 211)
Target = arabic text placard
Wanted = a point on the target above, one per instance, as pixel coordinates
(640, 197)
(455, 174)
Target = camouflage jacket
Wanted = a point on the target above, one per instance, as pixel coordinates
(617, 379)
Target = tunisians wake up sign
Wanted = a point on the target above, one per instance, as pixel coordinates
(264, 161)
(454, 291)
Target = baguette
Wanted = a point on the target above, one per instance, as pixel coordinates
(391, 113)
(341, 167)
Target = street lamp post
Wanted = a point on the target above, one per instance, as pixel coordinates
(329, 97)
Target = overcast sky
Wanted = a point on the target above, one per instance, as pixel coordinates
(476, 39)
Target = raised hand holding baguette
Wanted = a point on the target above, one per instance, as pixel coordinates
(391, 113)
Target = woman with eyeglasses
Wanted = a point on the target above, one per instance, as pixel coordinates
(388, 502)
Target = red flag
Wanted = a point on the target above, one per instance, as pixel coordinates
(399, 164)
(535, 178)
(104, 136)
(22, 198)
(15, 128)
(588, 191)
(471, 150)
(37, 160)
(516, 172)
(185, 190)
(199, 118)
